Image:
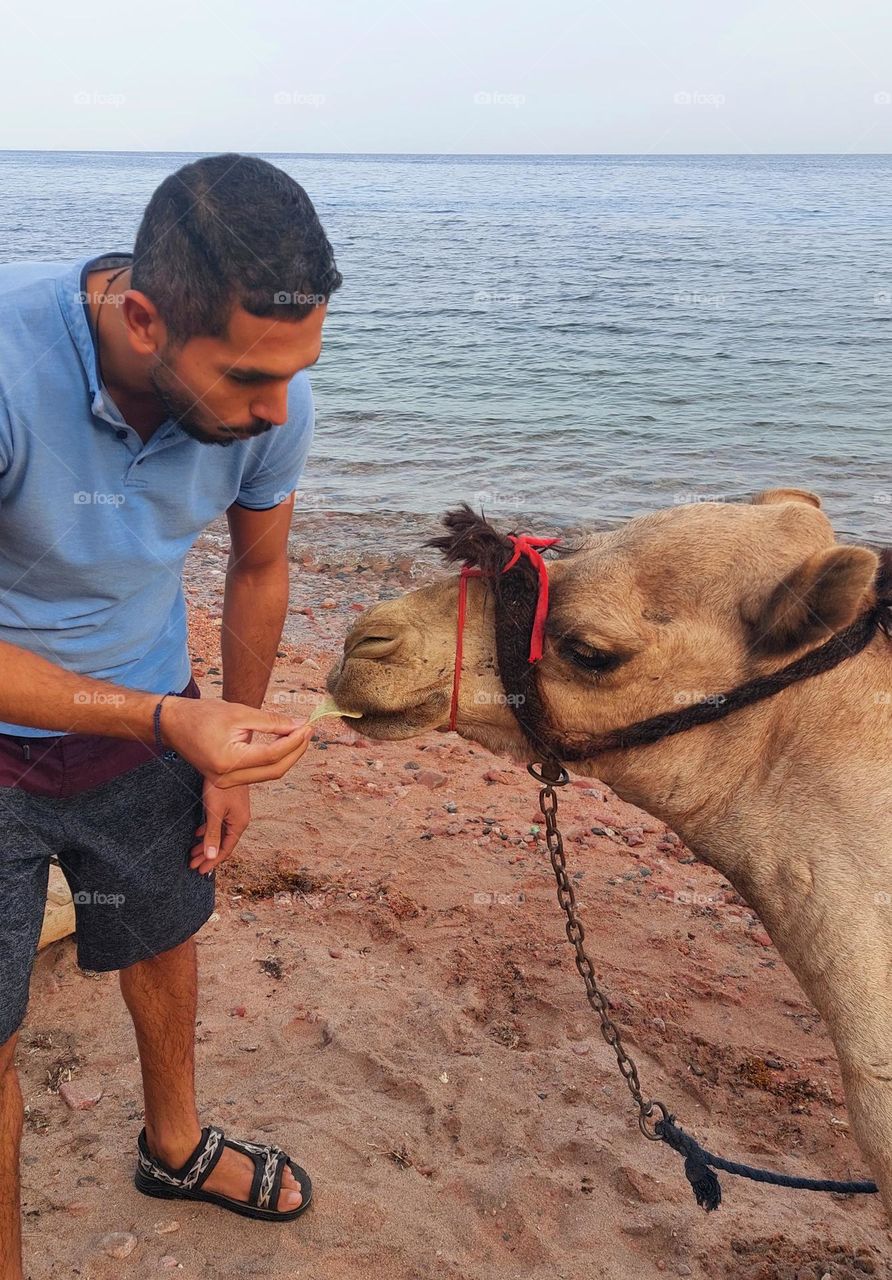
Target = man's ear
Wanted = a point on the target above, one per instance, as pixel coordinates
(819, 597)
(770, 496)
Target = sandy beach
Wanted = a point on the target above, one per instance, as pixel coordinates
(387, 992)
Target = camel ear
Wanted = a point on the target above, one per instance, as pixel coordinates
(821, 596)
(770, 496)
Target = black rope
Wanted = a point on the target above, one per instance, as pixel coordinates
(705, 1184)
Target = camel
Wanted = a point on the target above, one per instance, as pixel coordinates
(788, 797)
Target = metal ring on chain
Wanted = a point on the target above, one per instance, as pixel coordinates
(550, 772)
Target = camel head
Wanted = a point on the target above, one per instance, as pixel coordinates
(665, 610)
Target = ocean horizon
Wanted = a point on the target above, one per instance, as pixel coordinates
(565, 339)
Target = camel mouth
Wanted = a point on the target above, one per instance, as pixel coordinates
(394, 722)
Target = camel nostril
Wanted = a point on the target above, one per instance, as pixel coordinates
(371, 645)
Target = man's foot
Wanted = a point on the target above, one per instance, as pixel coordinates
(232, 1175)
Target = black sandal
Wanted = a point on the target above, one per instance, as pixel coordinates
(155, 1178)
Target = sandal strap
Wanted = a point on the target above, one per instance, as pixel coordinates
(197, 1167)
(269, 1164)
(275, 1186)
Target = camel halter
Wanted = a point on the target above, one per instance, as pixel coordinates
(515, 608)
(524, 545)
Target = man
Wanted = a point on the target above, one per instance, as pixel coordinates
(141, 396)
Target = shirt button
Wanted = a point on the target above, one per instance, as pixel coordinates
(122, 435)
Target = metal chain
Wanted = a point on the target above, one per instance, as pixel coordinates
(554, 775)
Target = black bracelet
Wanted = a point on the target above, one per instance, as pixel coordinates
(156, 721)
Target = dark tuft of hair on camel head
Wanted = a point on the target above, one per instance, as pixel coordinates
(472, 540)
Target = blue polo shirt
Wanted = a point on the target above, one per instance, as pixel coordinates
(94, 524)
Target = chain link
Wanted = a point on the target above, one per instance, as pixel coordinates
(554, 775)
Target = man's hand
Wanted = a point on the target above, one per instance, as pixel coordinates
(227, 814)
(215, 736)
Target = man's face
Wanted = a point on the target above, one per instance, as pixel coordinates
(225, 389)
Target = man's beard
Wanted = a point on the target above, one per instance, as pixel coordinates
(183, 408)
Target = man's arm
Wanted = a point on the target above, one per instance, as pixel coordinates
(255, 600)
(212, 734)
(38, 693)
(254, 603)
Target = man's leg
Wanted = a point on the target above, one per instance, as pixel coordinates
(162, 996)
(10, 1144)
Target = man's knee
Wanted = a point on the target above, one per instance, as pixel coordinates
(173, 955)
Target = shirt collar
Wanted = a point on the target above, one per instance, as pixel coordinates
(71, 291)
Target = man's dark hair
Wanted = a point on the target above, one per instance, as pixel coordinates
(231, 230)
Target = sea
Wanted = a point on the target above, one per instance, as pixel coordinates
(564, 340)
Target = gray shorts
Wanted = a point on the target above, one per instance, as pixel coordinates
(124, 847)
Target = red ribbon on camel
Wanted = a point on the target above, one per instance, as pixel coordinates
(524, 545)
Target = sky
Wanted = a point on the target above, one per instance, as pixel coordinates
(448, 76)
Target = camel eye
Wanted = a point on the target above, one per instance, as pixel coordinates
(587, 658)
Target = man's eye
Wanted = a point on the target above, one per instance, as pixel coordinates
(588, 658)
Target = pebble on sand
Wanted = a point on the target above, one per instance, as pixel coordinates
(430, 778)
(118, 1244)
(499, 775)
(79, 1094)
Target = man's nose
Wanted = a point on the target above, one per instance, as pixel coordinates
(272, 409)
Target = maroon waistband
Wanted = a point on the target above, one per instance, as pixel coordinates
(65, 764)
